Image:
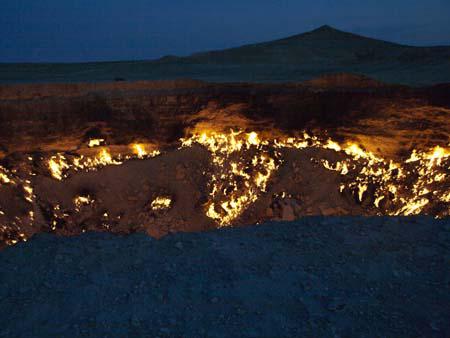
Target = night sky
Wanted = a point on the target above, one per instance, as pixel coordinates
(99, 30)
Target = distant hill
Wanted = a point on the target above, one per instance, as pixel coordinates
(297, 58)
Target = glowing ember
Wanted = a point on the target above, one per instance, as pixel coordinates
(4, 176)
(81, 201)
(446, 197)
(28, 189)
(161, 203)
(57, 165)
(340, 167)
(4, 179)
(95, 142)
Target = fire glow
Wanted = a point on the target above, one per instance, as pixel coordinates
(243, 165)
(399, 189)
(60, 164)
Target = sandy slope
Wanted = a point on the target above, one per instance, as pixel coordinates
(316, 277)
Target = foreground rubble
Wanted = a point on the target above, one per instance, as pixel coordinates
(318, 276)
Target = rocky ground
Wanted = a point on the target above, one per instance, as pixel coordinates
(315, 277)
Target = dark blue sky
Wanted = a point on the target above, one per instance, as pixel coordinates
(95, 30)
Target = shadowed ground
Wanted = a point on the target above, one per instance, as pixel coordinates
(321, 277)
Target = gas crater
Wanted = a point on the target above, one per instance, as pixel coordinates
(215, 179)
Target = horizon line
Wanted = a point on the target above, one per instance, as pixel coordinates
(325, 26)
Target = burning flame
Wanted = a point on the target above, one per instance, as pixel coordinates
(243, 164)
(139, 150)
(3, 176)
(236, 181)
(404, 189)
(104, 158)
(59, 164)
